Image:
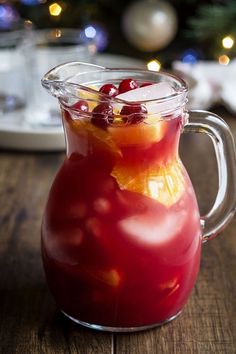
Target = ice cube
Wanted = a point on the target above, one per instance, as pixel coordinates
(152, 230)
(102, 205)
(65, 244)
(93, 225)
(153, 92)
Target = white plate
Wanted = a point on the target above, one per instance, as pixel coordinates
(21, 136)
(14, 135)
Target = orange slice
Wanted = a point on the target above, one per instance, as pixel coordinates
(91, 98)
(164, 184)
(110, 277)
(99, 139)
(138, 134)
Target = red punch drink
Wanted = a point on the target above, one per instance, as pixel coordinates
(121, 237)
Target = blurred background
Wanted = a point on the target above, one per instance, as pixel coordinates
(165, 30)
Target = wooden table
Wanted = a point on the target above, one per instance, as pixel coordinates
(29, 319)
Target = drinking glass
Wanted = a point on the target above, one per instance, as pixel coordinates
(52, 47)
(14, 46)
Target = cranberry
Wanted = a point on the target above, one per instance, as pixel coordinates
(109, 89)
(127, 85)
(137, 113)
(102, 115)
(146, 84)
(66, 115)
(81, 106)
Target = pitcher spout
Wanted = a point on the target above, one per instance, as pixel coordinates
(64, 80)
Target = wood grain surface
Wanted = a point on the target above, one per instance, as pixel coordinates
(29, 319)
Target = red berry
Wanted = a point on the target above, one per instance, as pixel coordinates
(127, 85)
(102, 115)
(81, 106)
(146, 84)
(136, 112)
(109, 89)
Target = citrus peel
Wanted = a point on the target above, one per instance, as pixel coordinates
(138, 134)
(162, 183)
(97, 137)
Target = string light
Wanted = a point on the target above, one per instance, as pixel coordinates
(55, 9)
(228, 42)
(154, 65)
(224, 59)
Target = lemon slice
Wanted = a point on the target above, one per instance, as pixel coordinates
(164, 184)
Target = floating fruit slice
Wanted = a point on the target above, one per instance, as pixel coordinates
(110, 277)
(92, 98)
(138, 134)
(99, 139)
(164, 184)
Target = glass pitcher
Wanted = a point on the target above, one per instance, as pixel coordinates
(121, 233)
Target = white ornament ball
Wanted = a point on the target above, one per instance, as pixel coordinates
(150, 25)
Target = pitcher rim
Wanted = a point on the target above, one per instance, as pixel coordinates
(183, 87)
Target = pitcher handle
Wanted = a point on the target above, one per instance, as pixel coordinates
(224, 206)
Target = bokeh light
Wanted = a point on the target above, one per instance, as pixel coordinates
(190, 56)
(224, 59)
(96, 32)
(55, 9)
(90, 32)
(8, 16)
(31, 2)
(154, 65)
(228, 42)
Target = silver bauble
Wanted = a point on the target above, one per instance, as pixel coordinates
(150, 25)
